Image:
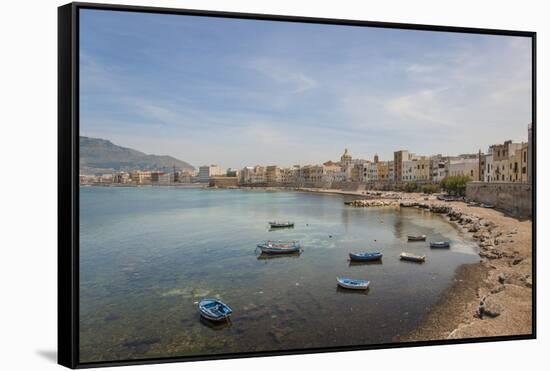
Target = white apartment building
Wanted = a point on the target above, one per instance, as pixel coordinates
(408, 171)
(372, 171)
(488, 171)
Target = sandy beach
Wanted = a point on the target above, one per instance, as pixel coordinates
(492, 298)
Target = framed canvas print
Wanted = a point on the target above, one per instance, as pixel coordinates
(237, 185)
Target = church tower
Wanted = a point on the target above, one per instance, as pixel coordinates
(345, 160)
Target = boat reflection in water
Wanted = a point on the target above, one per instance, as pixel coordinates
(353, 263)
(264, 256)
(217, 326)
(341, 290)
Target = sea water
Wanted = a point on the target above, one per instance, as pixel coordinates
(149, 254)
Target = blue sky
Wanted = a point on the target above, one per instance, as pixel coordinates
(242, 92)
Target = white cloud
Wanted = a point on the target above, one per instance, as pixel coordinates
(421, 109)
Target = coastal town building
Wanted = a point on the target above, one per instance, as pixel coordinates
(423, 169)
(185, 177)
(439, 168)
(503, 160)
(347, 164)
(370, 172)
(253, 175)
(232, 172)
(408, 170)
(391, 171)
(345, 159)
(398, 158)
(121, 177)
(140, 177)
(156, 175)
(105, 178)
(207, 171)
(289, 175)
(382, 170)
(311, 174)
(332, 172)
(273, 174)
(486, 167)
(165, 179)
(464, 167)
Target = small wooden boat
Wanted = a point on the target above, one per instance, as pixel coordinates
(440, 244)
(413, 258)
(281, 225)
(214, 310)
(365, 256)
(420, 237)
(280, 247)
(352, 284)
(487, 205)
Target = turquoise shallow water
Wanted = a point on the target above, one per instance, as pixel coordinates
(147, 255)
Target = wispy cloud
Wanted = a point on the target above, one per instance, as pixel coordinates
(290, 79)
(421, 109)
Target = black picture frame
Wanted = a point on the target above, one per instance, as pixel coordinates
(68, 179)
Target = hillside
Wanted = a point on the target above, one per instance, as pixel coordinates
(103, 156)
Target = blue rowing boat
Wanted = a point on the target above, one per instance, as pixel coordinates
(352, 284)
(214, 310)
(365, 256)
(440, 244)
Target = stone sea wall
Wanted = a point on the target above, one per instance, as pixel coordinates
(514, 198)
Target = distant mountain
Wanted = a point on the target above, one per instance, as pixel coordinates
(102, 156)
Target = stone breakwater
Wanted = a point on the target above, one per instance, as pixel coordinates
(372, 203)
(500, 298)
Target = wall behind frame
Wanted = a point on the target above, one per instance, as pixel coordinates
(29, 138)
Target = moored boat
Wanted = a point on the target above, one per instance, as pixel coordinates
(419, 237)
(280, 247)
(352, 284)
(487, 205)
(281, 224)
(365, 256)
(214, 310)
(413, 258)
(440, 244)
